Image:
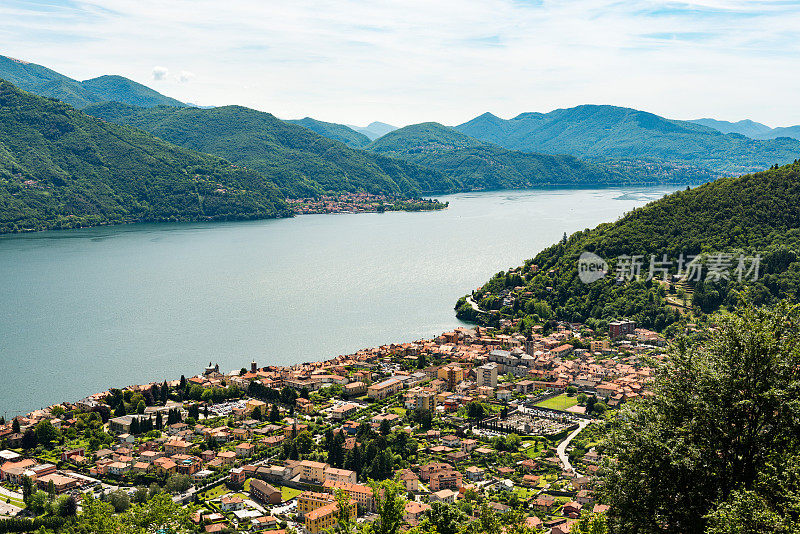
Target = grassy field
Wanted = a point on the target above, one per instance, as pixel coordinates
(288, 494)
(561, 402)
(214, 492)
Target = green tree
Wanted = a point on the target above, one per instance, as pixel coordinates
(720, 414)
(119, 500)
(390, 506)
(445, 518)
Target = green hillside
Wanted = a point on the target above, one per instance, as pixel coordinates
(480, 165)
(45, 82)
(331, 130)
(61, 168)
(752, 214)
(299, 161)
(609, 132)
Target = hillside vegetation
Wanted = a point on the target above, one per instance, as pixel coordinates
(608, 132)
(299, 161)
(61, 168)
(752, 214)
(331, 130)
(479, 165)
(46, 82)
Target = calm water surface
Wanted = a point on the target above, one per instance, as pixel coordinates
(84, 310)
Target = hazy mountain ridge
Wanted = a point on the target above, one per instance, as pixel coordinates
(601, 132)
(754, 130)
(332, 130)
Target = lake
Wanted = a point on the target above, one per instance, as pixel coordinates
(85, 310)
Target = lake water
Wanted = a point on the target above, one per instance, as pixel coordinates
(85, 310)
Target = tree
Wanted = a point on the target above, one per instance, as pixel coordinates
(475, 411)
(37, 503)
(390, 506)
(15, 426)
(29, 439)
(178, 483)
(140, 406)
(119, 500)
(385, 427)
(304, 442)
(256, 413)
(119, 411)
(274, 414)
(591, 524)
(27, 489)
(46, 433)
(720, 417)
(445, 518)
(66, 506)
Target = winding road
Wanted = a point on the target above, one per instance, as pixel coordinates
(562, 447)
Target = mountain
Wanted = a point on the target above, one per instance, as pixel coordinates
(45, 82)
(479, 165)
(61, 168)
(751, 129)
(750, 215)
(298, 160)
(337, 132)
(374, 130)
(744, 127)
(602, 133)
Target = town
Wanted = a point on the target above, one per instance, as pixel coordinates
(473, 420)
(360, 203)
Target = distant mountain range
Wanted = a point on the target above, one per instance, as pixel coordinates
(374, 130)
(61, 168)
(602, 133)
(46, 82)
(749, 128)
(298, 160)
(479, 165)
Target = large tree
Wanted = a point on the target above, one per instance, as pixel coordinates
(723, 411)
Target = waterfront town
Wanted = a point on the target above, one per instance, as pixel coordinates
(474, 419)
(359, 203)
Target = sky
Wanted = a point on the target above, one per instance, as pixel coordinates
(403, 62)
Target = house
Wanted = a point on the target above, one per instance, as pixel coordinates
(165, 466)
(245, 450)
(61, 483)
(354, 389)
(475, 473)
(177, 446)
(265, 493)
(451, 441)
(543, 503)
(409, 480)
(445, 496)
(572, 510)
(230, 503)
(414, 511)
(445, 479)
(226, 457)
(237, 476)
(309, 501)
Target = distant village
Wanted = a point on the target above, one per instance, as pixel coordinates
(472, 416)
(359, 203)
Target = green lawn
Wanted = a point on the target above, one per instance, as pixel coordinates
(213, 493)
(288, 494)
(561, 402)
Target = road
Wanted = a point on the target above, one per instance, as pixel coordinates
(474, 305)
(562, 447)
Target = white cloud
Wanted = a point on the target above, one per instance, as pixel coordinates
(185, 76)
(160, 73)
(356, 61)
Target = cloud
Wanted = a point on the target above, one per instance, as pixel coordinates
(185, 76)
(356, 61)
(160, 73)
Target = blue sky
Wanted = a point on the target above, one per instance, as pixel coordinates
(409, 61)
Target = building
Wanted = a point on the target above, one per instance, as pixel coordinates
(617, 329)
(451, 374)
(414, 511)
(354, 389)
(385, 389)
(445, 496)
(308, 501)
(486, 375)
(231, 503)
(340, 475)
(344, 411)
(361, 494)
(446, 479)
(265, 493)
(312, 471)
(323, 519)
